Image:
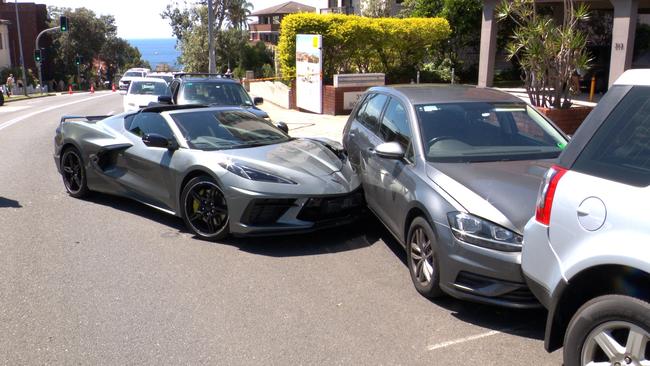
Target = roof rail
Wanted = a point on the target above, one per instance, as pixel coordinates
(157, 108)
(205, 74)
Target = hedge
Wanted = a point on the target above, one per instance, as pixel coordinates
(358, 44)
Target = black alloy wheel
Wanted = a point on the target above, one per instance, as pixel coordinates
(422, 260)
(205, 211)
(74, 173)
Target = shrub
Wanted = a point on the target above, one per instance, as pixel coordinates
(352, 43)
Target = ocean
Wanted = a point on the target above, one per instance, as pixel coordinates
(158, 50)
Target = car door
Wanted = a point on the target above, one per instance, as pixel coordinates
(362, 137)
(149, 174)
(395, 177)
(602, 200)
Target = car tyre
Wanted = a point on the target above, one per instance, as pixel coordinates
(618, 323)
(204, 208)
(422, 258)
(74, 173)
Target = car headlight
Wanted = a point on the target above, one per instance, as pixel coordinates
(477, 231)
(254, 174)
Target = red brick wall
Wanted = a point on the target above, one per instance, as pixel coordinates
(33, 19)
(333, 99)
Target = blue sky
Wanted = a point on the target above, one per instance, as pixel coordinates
(141, 18)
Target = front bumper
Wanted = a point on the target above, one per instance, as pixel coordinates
(488, 276)
(255, 214)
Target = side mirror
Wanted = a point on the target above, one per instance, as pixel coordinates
(258, 100)
(156, 140)
(389, 150)
(164, 99)
(283, 126)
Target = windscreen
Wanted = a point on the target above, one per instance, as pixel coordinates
(480, 131)
(134, 74)
(215, 93)
(230, 129)
(149, 88)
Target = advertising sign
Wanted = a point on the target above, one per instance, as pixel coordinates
(309, 71)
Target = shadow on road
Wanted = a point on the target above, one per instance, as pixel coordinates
(7, 202)
(360, 234)
(527, 323)
(137, 208)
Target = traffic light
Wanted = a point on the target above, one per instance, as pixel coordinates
(37, 55)
(78, 60)
(63, 21)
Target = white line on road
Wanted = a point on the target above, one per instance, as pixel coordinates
(463, 340)
(21, 118)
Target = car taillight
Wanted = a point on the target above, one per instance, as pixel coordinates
(546, 194)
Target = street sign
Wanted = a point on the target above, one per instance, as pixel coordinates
(63, 22)
(37, 55)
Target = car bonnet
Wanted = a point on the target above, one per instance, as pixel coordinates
(503, 192)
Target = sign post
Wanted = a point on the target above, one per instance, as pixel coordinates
(309, 72)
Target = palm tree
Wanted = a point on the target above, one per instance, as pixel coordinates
(238, 13)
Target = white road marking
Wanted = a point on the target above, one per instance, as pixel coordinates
(463, 340)
(7, 109)
(21, 118)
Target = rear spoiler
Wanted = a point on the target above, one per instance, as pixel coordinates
(74, 118)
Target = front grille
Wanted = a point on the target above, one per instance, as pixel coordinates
(328, 208)
(266, 211)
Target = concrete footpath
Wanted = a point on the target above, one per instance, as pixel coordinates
(304, 124)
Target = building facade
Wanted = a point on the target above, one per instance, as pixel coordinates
(625, 16)
(33, 19)
(355, 7)
(267, 27)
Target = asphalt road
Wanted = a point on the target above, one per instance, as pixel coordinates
(107, 281)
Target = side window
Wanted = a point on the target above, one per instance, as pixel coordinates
(620, 148)
(370, 111)
(143, 123)
(174, 88)
(395, 125)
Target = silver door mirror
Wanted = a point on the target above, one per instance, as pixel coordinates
(389, 150)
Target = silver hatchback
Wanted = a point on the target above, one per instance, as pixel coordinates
(453, 172)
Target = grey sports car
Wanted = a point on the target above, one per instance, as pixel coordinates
(222, 169)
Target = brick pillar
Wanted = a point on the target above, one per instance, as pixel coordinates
(488, 44)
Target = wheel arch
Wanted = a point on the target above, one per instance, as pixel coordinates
(416, 210)
(607, 279)
(191, 174)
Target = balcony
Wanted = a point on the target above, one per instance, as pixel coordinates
(347, 10)
(264, 27)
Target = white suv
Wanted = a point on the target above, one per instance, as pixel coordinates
(129, 75)
(586, 253)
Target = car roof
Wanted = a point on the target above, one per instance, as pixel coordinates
(148, 79)
(446, 93)
(634, 77)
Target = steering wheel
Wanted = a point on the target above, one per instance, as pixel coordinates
(438, 139)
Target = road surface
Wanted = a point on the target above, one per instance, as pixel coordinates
(107, 281)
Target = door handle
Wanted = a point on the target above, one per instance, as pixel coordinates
(352, 134)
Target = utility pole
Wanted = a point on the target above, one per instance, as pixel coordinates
(212, 67)
(20, 43)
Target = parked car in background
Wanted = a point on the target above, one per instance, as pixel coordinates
(587, 250)
(214, 90)
(222, 169)
(143, 91)
(452, 172)
(167, 76)
(125, 80)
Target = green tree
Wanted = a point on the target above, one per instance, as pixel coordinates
(91, 37)
(375, 9)
(238, 13)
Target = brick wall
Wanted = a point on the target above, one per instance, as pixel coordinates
(33, 19)
(569, 119)
(333, 99)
